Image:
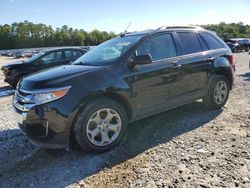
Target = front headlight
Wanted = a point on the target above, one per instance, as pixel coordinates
(45, 96)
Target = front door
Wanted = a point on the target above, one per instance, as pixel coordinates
(156, 86)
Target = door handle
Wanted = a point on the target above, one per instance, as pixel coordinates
(210, 59)
(176, 64)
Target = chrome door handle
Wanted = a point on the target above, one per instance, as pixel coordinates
(210, 59)
(176, 64)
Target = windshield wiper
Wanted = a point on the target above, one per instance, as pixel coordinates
(82, 63)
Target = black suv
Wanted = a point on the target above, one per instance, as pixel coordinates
(49, 58)
(122, 80)
(238, 44)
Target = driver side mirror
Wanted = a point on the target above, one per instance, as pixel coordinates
(141, 60)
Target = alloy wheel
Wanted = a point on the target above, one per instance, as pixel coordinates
(220, 92)
(103, 127)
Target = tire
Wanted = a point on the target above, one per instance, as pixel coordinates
(247, 49)
(212, 100)
(94, 130)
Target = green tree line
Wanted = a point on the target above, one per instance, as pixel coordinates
(29, 35)
(232, 30)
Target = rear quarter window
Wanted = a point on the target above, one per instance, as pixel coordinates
(211, 41)
(189, 42)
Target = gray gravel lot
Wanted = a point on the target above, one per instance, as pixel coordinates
(185, 147)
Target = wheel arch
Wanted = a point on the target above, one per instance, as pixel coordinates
(223, 67)
(108, 95)
(227, 73)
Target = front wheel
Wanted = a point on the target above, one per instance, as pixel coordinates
(218, 92)
(100, 126)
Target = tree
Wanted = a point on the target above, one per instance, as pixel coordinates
(29, 35)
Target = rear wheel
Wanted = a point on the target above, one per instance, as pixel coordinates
(218, 92)
(100, 126)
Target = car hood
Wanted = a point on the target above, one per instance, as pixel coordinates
(11, 66)
(55, 77)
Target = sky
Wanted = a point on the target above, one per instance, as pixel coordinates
(115, 15)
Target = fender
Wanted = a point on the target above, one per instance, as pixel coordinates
(222, 66)
(221, 62)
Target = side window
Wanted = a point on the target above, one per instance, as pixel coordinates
(212, 42)
(72, 54)
(76, 53)
(203, 44)
(189, 42)
(68, 54)
(52, 57)
(159, 47)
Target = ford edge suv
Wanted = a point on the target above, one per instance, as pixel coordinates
(130, 77)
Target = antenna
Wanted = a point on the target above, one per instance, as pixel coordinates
(126, 30)
(159, 28)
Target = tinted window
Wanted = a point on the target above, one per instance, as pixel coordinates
(68, 54)
(203, 44)
(159, 47)
(72, 54)
(77, 53)
(52, 57)
(189, 42)
(212, 42)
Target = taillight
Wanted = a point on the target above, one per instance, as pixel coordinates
(231, 59)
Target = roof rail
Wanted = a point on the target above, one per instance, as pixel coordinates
(179, 27)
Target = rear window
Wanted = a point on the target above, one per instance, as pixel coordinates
(189, 42)
(211, 41)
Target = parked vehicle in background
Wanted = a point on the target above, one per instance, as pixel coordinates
(232, 45)
(28, 54)
(4, 53)
(122, 80)
(10, 54)
(15, 71)
(18, 54)
(238, 44)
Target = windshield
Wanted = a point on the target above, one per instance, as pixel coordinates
(108, 51)
(33, 58)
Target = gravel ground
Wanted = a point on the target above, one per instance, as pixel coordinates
(185, 147)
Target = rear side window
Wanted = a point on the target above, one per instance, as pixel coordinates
(189, 42)
(71, 54)
(211, 41)
(53, 57)
(159, 47)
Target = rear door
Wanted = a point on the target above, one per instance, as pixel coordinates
(195, 64)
